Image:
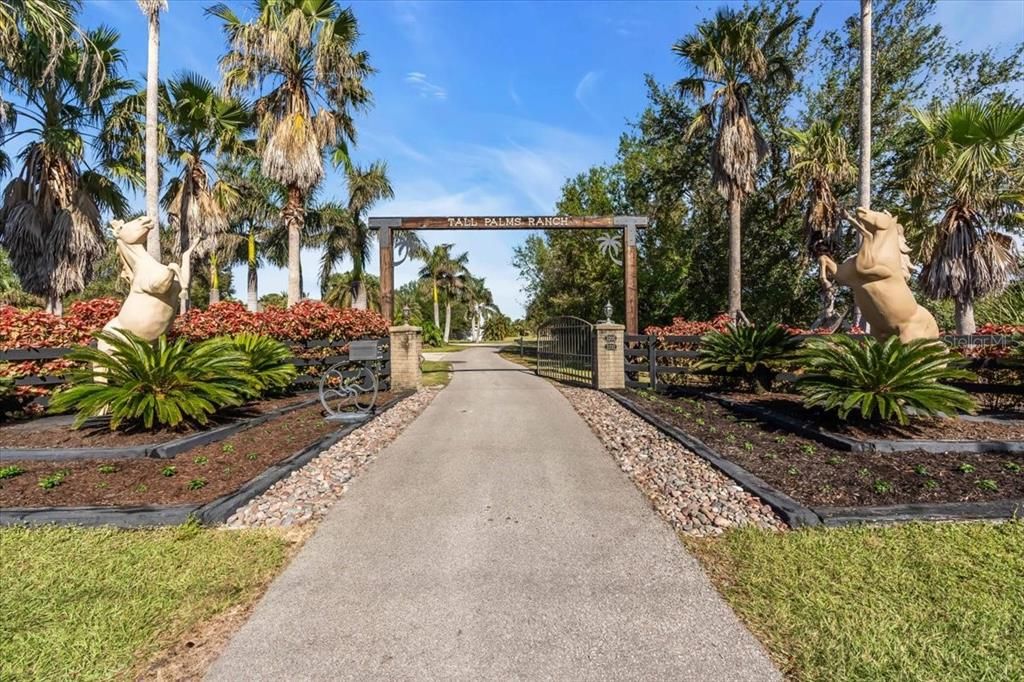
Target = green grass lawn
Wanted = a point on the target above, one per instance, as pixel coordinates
(910, 602)
(90, 604)
(446, 348)
(436, 372)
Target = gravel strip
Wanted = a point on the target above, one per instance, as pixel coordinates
(688, 492)
(309, 492)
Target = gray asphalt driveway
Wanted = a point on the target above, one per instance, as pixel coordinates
(494, 539)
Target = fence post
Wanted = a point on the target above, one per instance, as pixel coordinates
(609, 356)
(406, 344)
(652, 361)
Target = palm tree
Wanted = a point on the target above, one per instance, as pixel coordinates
(340, 287)
(969, 173)
(50, 218)
(200, 123)
(346, 233)
(732, 52)
(255, 216)
(479, 305)
(435, 264)
(300, 55)
(864, 173)
(452, 282)
(152, 9)
(818, 163)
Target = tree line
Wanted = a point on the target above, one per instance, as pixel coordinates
(746, 163)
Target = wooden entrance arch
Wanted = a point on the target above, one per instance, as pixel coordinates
(628, 224)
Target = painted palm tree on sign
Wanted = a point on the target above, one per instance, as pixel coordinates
(968, 180)
(819, 162)
(731, 52)
(408, 244)
(610, 246)
(200, 124)
(50, 218)
(152, 9)
(300, 56)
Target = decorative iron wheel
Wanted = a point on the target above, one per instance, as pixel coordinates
(343, 387)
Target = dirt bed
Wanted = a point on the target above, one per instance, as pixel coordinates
(919, 429)
(817, 475)
(56, 432)
(194, 477)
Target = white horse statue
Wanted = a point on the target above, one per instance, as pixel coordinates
(156, 290)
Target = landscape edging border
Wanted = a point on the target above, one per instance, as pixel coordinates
(792, 512)
(832, 517)
(867, 444)
(217, 510)
(167, 450)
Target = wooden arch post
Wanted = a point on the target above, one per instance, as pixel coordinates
(628, 224)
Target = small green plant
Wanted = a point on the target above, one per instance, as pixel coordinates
(162, 383)
(196, 483)
(864, 473)
(53, 480)
(793, 471)
(252, 456)
(730, 438)
(755, 352)
(780, 439)
(10, 471)
(169, 471)
(107, 469)
(770, 455)
(882, 487)
(102, 485)
(808, 449)
(748, 446)
(921, 470)
(227, 448)
(931, 484)
(141, 488)
(882, 379)
(988, 484)
(200, 460)
(835, 460)
(966, 468)
(700, 422)
(1012, 467)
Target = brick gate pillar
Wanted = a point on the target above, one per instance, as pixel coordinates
(609, 358)
(406, 344)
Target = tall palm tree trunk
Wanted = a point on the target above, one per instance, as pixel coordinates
(965, 316)
(183, 244)
(152, 153)
(437, 311)
(359, 300)
(447, 320)
(864, 177)
(735, 257)
(252, 289)
(293, 216)
(214, 280)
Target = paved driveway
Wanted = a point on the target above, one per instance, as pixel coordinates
(495, 539)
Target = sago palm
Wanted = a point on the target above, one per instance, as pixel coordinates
(50, 219)
(967, 181)
(819, 163)
(732, 52)
(300, 56)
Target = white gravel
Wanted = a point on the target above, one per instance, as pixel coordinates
(307, 493)
(688, 492)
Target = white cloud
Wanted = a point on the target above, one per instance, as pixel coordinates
(585, 88)
(422, 85)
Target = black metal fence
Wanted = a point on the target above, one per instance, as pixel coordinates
(652, 361)
(565, 350)
(309, 363)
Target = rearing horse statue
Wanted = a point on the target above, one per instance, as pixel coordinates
(156, 290)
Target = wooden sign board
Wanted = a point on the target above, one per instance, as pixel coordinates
(508, 222)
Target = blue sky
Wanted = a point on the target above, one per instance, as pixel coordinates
(487, 107)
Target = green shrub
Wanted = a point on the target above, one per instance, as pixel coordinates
(753, 351)
(882, 380)
(10, 471)
(497, 327)
(163, 383)
(432, 335)
(269, 369)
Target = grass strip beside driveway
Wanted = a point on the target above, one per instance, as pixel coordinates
(911, 602)
(435, 373)
(90, 604)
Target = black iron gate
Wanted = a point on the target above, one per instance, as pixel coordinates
(565, 350)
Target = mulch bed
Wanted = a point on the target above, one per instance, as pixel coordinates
(920, 429)
(817, 475)
(222, 467)
(56, 432)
